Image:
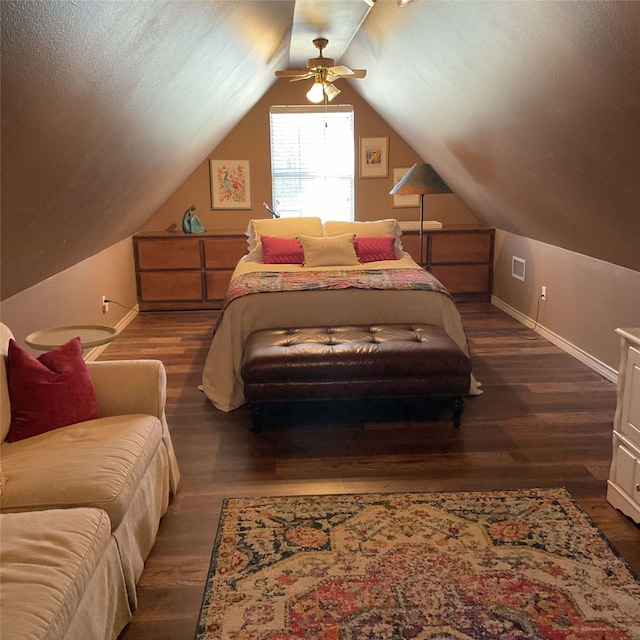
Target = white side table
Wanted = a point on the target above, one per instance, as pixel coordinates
(90, 336)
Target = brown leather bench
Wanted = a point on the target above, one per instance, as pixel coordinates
(353, 362)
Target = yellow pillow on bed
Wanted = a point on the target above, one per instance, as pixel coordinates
(329, 251)
(367, 229)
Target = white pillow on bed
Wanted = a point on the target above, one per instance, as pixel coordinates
(367, 229)
(278, 228)
(336, 251)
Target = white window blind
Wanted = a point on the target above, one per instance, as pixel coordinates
(312, 161)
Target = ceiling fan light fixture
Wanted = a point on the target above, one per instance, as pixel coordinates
(315, 94)
(331, 91)
(324, 73)
(404, 3)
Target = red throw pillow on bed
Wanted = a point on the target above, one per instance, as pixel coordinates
(48, 392)
(281, 250)
(376, 248)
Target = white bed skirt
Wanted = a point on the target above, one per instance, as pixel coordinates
(221, 380)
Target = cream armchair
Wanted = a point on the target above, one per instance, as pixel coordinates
(135, 386)
(122, 463)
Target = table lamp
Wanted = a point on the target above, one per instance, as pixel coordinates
(421, 179)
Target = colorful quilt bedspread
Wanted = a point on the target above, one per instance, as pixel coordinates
(274, 281)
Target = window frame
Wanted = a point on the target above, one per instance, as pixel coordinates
(308, 199)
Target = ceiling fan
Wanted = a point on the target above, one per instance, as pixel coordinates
(323, 72)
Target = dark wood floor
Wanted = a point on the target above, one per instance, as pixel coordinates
(545, 420)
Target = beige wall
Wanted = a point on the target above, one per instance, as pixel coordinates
(587, 299)
(74, 296)
(250, 141)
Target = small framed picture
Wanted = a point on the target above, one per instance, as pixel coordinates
(412, 200)
(374, 157)
(230, 184)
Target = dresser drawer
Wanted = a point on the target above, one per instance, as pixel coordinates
(460, 247)
(174, 253)
(170, 286)
(626, 472)
(218, 283)
(630, 414)
(411, 244)
(224, 252)
(463, 278)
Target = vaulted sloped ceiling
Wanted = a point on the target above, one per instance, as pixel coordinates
(530, 110)
(108, 106)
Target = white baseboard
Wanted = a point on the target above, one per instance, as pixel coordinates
(94, 353)
(593, 363)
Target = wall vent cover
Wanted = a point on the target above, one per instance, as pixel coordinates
(517, 268)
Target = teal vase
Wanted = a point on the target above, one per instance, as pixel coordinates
(191, 223)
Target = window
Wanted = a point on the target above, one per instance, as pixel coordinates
(312, 161)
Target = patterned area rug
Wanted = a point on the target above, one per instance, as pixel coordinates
(437, 566)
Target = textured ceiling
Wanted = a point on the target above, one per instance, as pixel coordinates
(529, 110)
(107, 107)
(337, 20)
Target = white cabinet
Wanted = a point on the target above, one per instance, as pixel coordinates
(623, 490)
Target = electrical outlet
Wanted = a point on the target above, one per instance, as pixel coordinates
(105, 304)
(543, 293)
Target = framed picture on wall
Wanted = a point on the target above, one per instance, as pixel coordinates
(230, 184)
(412, 200)
(374, 157)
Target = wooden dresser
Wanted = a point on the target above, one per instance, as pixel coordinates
(461, 257)
(175, 270)
(192, 271)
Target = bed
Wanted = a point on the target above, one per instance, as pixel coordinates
(266, 295)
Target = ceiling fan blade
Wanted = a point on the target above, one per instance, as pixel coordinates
(344, 72)
(287, 73)
(340, 71)
(306, 76)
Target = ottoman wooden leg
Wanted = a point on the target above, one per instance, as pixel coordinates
(457, 405)
(255, 411)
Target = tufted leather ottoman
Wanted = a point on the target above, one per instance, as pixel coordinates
(353, 362)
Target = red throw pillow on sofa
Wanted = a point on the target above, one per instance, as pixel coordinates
(281, 250)
(375, 248)
(48, 392)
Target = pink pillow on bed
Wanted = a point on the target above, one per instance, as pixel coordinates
(376, 248)
(281, 250)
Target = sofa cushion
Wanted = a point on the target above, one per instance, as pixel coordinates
(47, 560)
(98, 463)
(50, 391)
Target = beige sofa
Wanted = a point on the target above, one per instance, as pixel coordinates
(61, 576)
(122, 464)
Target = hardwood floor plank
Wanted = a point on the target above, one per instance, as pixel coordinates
(544, 420)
